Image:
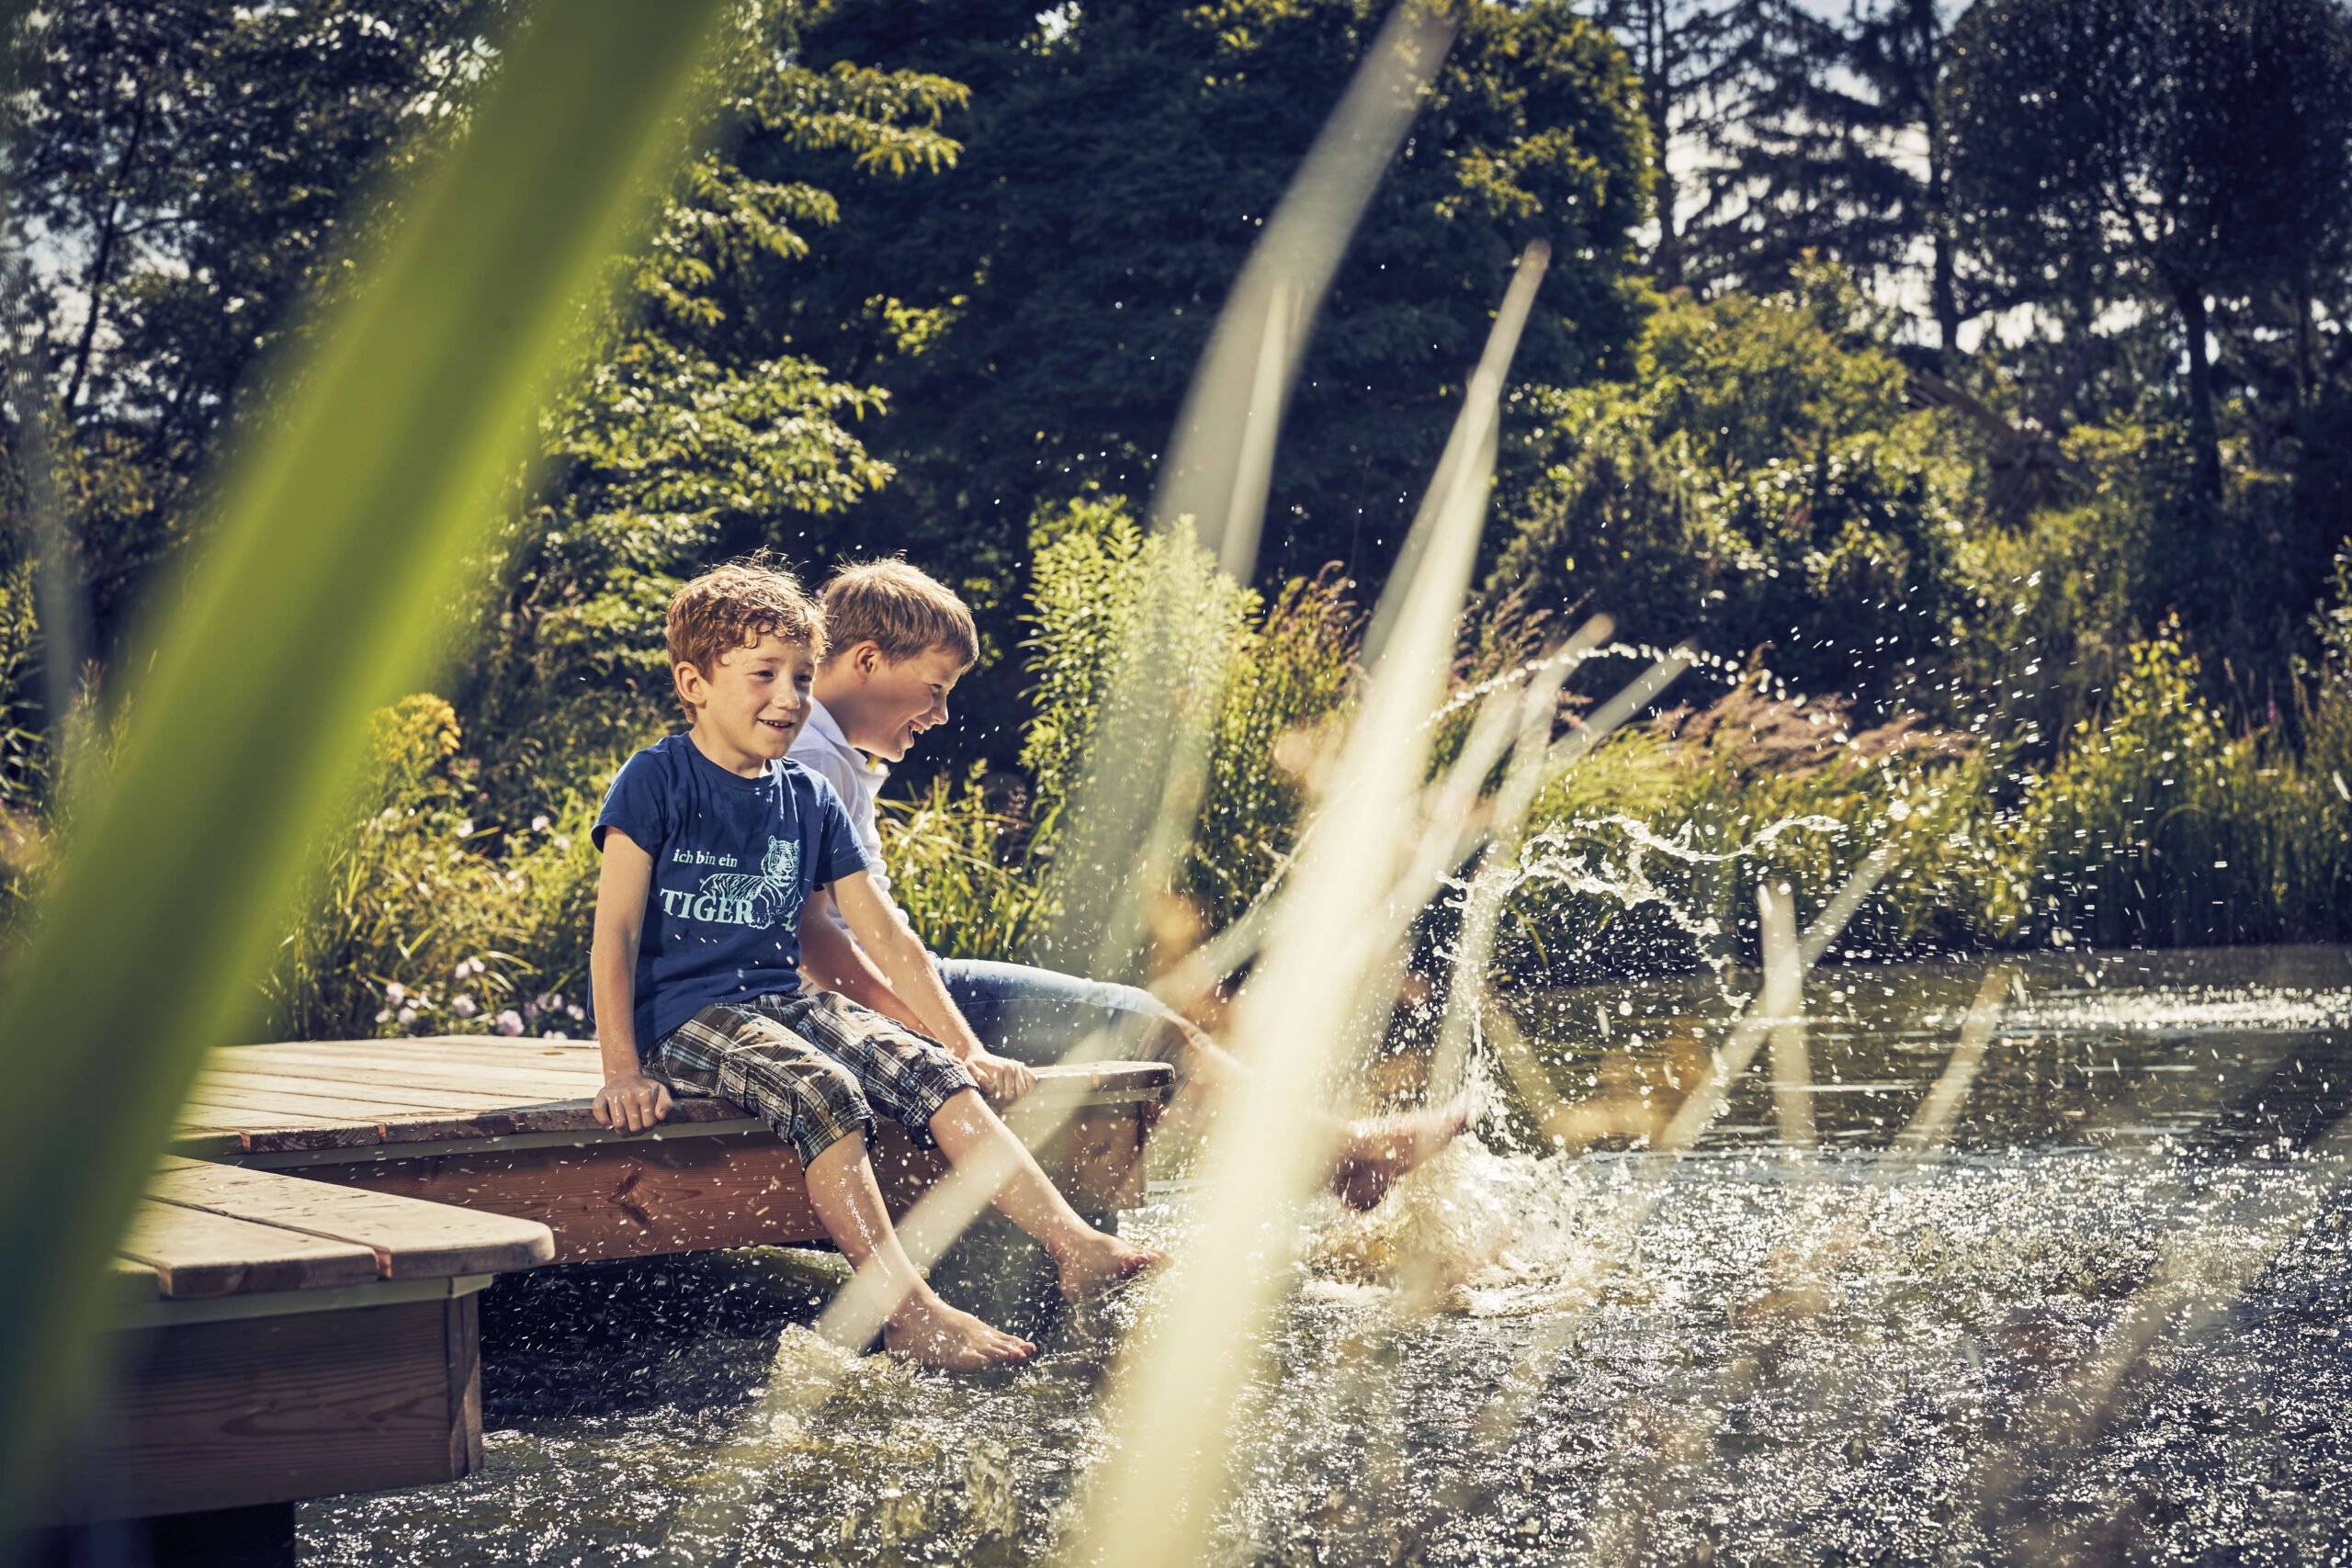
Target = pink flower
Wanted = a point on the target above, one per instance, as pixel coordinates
(463, 1006)
(510, 1023)
(395, 993)
(406, 1016)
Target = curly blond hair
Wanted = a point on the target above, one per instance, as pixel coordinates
(734, 606)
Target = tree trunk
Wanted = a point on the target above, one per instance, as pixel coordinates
(2203, 439)
(102, 257)
(1943, 279)
(2306, 373)
(1657, 93)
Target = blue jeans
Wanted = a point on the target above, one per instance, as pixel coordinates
(1038, 1016)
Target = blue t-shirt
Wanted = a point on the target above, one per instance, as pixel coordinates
(734, 859)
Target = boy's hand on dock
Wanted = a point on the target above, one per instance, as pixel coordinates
(1001, 1078)
(630, 1104)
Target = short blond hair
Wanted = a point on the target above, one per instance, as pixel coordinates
(734, 606)
(901, 609)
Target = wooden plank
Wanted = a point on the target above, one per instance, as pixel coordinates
(1144, 1088)
(229, 1414)
(565, 1116)
(353, 1067)
(206, 1143)
(395, 1056)
(295, 1120)
(197, 1255)
(132, 1278)
(461, 1340)
(204, 1114)
(283, 1136)
(298, 1094)
(620, 1199)
(411, 1240)
(392, 1054)
(509, 1087)
(263, 1108)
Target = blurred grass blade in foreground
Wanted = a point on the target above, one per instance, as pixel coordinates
(316, 600)
(1150, 1497)
(1147, 748)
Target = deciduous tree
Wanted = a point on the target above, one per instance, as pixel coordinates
(2172, 149)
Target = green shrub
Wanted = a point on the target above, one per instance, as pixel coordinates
(1293, 672)
(959, 869)
(1136, 633)
(2043, 620)
(2159, 828)
(420, 922)
(1759, 480)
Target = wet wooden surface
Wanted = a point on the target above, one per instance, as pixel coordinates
(501, 1127)
(360, 1094)
(306, 1258)
(207, 1231)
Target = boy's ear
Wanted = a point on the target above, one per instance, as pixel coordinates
(693, 689)
(865, 659)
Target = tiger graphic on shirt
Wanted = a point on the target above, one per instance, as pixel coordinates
(731, 898)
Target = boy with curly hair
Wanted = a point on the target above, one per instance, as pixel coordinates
(713, 844)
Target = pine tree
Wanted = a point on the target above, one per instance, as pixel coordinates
(1841, 155)
(1697, 63)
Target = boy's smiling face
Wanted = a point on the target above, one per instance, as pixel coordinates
(881, 703)
(748, 709)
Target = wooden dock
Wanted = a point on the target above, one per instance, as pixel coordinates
(297, 1311)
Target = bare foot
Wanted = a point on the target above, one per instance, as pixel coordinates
(1374, 1153)
(1096, 1262)
(928, 1333)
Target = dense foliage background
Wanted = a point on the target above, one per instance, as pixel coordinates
(1975, 382)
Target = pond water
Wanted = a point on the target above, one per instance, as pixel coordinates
(2105, 1322)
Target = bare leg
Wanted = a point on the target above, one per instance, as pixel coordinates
(967, 1130)
(917, 1326)
(1372, 1153)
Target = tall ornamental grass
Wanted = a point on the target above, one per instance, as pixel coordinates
(419, 920)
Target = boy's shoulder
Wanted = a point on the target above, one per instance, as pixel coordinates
(798, 775)
(667, 752)
(673, 759)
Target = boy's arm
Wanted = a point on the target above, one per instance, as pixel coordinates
(882, 932)
(831, 961)
(629, 1102)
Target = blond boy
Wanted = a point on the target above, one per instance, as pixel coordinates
(899, 641)
(713, 845)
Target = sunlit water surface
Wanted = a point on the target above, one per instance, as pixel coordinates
(1798, 1354)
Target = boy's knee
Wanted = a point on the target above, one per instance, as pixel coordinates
(829, 1108)
(828, 1086)
(810, 1099)
(954, 1100)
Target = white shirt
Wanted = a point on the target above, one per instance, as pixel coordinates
(821, 747)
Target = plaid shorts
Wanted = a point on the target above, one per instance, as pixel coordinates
(813, 1066)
